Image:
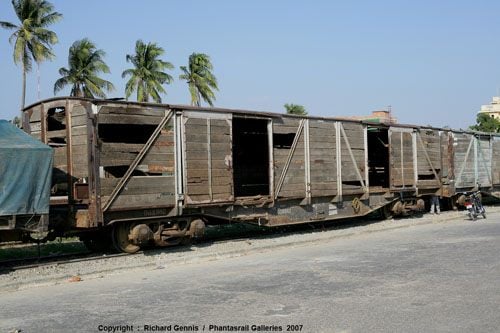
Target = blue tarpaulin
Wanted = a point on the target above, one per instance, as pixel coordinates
(25, 172)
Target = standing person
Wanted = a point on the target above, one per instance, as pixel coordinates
(435, 205)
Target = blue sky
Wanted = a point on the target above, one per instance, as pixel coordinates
(434, 62)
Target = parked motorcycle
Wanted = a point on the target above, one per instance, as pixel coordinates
(474, 206)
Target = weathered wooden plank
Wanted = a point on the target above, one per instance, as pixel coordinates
(322, 145)
(324, 185)
(323, 177)
(60, 158)
(323, 163)
(80, 140)
(203, 178)
(428, 182)
(196, 122)
(321, 131)
(78, 130)
(142, 201)
(291, 194)
(293, 186)
(125, 155)
(352, 126)
(149, 165)
(123, 118)
(132, 110)
(79, 120)
(200, 198)
(132, 148)
(200, 129)
(201, 164)
(328, 125)
(285, 129)
(214, 147)
(80, 159)
(193, 189)
(192, 172)
(78, 110)
(139, 185)
(285, 121)
(219, 127)
(351, 186)
(323, 193)
(56, 134)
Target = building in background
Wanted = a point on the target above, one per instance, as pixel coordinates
(492, 109)
(379, 116)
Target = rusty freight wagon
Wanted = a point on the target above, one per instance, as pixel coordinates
(155, 173)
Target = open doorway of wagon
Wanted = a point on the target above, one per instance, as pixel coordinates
(250, 157)
(378, 157)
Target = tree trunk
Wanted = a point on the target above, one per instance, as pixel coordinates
(38, 80)
(23, 94)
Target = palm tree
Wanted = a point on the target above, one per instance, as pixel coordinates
(32, 40)
(200, 79)
(85, 63)
(147, 76)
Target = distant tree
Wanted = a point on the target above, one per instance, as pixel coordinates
(295, 109)
(148, 75)
(200, 79)
(16, 121)
(486, 123)
(85, 63)
(31, 38)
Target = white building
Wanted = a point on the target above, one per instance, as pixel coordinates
(492, 109)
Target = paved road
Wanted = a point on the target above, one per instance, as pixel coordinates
(430, 278)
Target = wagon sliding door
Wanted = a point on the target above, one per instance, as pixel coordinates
(495, 163)
(483, 164)
(402, 150)
(472, 161)
(352, 171)
(208, 173)
(315, 158)
(429, 168)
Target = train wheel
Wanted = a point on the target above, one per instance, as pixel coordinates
(121, 240)
(385, 212)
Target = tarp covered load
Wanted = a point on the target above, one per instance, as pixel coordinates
(25, 172)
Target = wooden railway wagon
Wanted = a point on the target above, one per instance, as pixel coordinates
(156, 173)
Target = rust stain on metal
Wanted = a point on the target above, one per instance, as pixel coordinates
(82, 218)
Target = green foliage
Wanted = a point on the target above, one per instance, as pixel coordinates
(295, 109)
(67, 246)
(148, 76)
(200, 79)
(31, 38)
(16, 121)
(85, 63)
(485, 123)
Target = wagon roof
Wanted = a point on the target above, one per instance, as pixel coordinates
(243, 112)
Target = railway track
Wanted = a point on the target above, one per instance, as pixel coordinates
(60, 259)
(237, 233)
